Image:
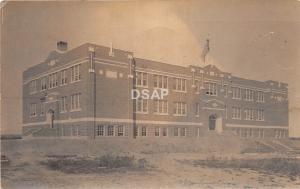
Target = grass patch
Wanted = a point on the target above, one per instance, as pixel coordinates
(284, 166)
(86, 165)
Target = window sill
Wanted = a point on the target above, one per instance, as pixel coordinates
(160, 113)
(141, 112)
(62, 112)
(179, 115)
(75, 110)
(75, 81)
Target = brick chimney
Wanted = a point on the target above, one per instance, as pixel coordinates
(62, 46)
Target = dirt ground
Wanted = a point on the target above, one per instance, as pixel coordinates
(166, 165)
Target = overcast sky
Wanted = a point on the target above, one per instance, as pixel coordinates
(252, 39)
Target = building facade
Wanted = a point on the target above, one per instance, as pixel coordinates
(87, 92)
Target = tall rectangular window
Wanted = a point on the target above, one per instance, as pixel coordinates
(141, 105)
(160, 81)
(236, 93)
(63, 104)
(110, 130)
(164, 131)
(52, 80)
(75, 73)
(75, 101)
(43, 83)
(249, 94)
(144, 131)
(211, 89)
(33, 86)
(260, 96)
(141, 79)
(197, 85)
(100, 130)
(42, 112)
(63, 77)
(120, 130)
(161, 107)
(179, 108)
(176, 133)
(225, 87)
(183, 131)
(260, 115)
(249, 114)
(236, 112)
(32, 110)
(179, 84)
(156, 132)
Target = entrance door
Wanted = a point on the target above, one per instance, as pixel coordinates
(212, 122)
(50, 117)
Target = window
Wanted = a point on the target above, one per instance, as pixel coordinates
(110, 130)
(160, 107)
(211, 89)
(75, 73)
(225, 90)
(44, 83)
(42, 109)
(32, 87)
(197, 109)
(32, 110)
(120, 130)
(179, 84)
(53, 80)
(156, 132)
(63, 104)
(160, 81)
(179, 108)
(175, 131)
(164, 132)
(142, 105)
(100, 130)
(197, 85)
(260, 96)
(136, 131)
(75, 101)
(249, 94)
(249, 114)
(144, 131)
(236, 93)
(141, 79)
(260, 115)
(236, 112)
(182, 131)
(63, 77)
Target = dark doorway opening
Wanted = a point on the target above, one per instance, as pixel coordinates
(212, 122)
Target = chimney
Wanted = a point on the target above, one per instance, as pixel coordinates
(62, 46)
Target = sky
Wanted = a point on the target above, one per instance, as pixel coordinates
(255, 39)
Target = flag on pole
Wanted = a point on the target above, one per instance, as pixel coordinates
(205, 50)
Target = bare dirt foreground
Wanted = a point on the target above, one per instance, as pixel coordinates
(146, 163)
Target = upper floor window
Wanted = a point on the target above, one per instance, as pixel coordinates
(260, 96)
(120, 130)
(179, 84)
(142, 105)
(156, 131)
(110, 130)
(249, 114)
(225, 88)
(160, 107)
(33, 86)
(176, 131)
(141, 79)
(53, 80)
(63, 104)
(179, 108)
(63, 77)
(32, 110)
(75, 101)
(183, 131)
(43, 83)
(75, 73)
(144, 131)
(100, 130)
(260, 115)
(160, 81)
(211, 89)
(249, 94)
(236, 113)
(236, 93)
(164, 131)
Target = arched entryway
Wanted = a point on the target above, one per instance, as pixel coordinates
(50, 117)
(212, 122)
